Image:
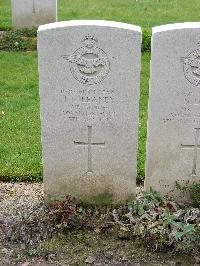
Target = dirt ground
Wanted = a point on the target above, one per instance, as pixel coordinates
(23, 203)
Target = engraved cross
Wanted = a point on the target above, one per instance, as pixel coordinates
(89, 143)
(195, 148)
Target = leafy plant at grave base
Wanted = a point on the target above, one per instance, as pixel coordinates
(18, 40)
(179, 231)
(67, 213)
(163, 223)
(153, 196)
(147, 201)
(160, 223)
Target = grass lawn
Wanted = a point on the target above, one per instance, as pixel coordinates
(146, 13)
(20, 148)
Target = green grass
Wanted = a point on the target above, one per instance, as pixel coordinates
(144, 93)
(5, 14)
(20, 147)
(146, 13)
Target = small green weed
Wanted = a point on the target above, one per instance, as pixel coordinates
(32, 252)
(146, 201)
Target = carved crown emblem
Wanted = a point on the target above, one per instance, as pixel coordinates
(89, 40)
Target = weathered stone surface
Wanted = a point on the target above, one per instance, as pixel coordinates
(174, 109)
(33, 13)
(89, 88)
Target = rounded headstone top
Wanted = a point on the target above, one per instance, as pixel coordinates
(176, 26)
(101, 23)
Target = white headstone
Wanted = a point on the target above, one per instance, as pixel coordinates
(89, 87)
(33, 13)
(173, 145)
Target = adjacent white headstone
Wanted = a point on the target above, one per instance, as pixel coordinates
(89, 87)
(173, 145)
(33, 13)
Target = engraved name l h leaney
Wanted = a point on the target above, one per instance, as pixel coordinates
(89, 64)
